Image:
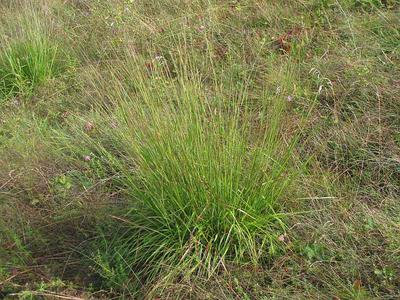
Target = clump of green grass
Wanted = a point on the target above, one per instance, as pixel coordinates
(204, 176)
(30, 54)
(24, 65)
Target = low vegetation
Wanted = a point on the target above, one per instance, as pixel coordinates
(200, 150)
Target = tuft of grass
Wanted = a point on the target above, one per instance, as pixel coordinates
(205, 180)
(30, 54)
(24, 65)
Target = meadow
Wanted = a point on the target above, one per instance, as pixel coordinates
(164, 149)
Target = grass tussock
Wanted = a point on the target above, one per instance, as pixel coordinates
(25, 65)
(203, 193)
(32, 57)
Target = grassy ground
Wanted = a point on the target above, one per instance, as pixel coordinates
(200, 149)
